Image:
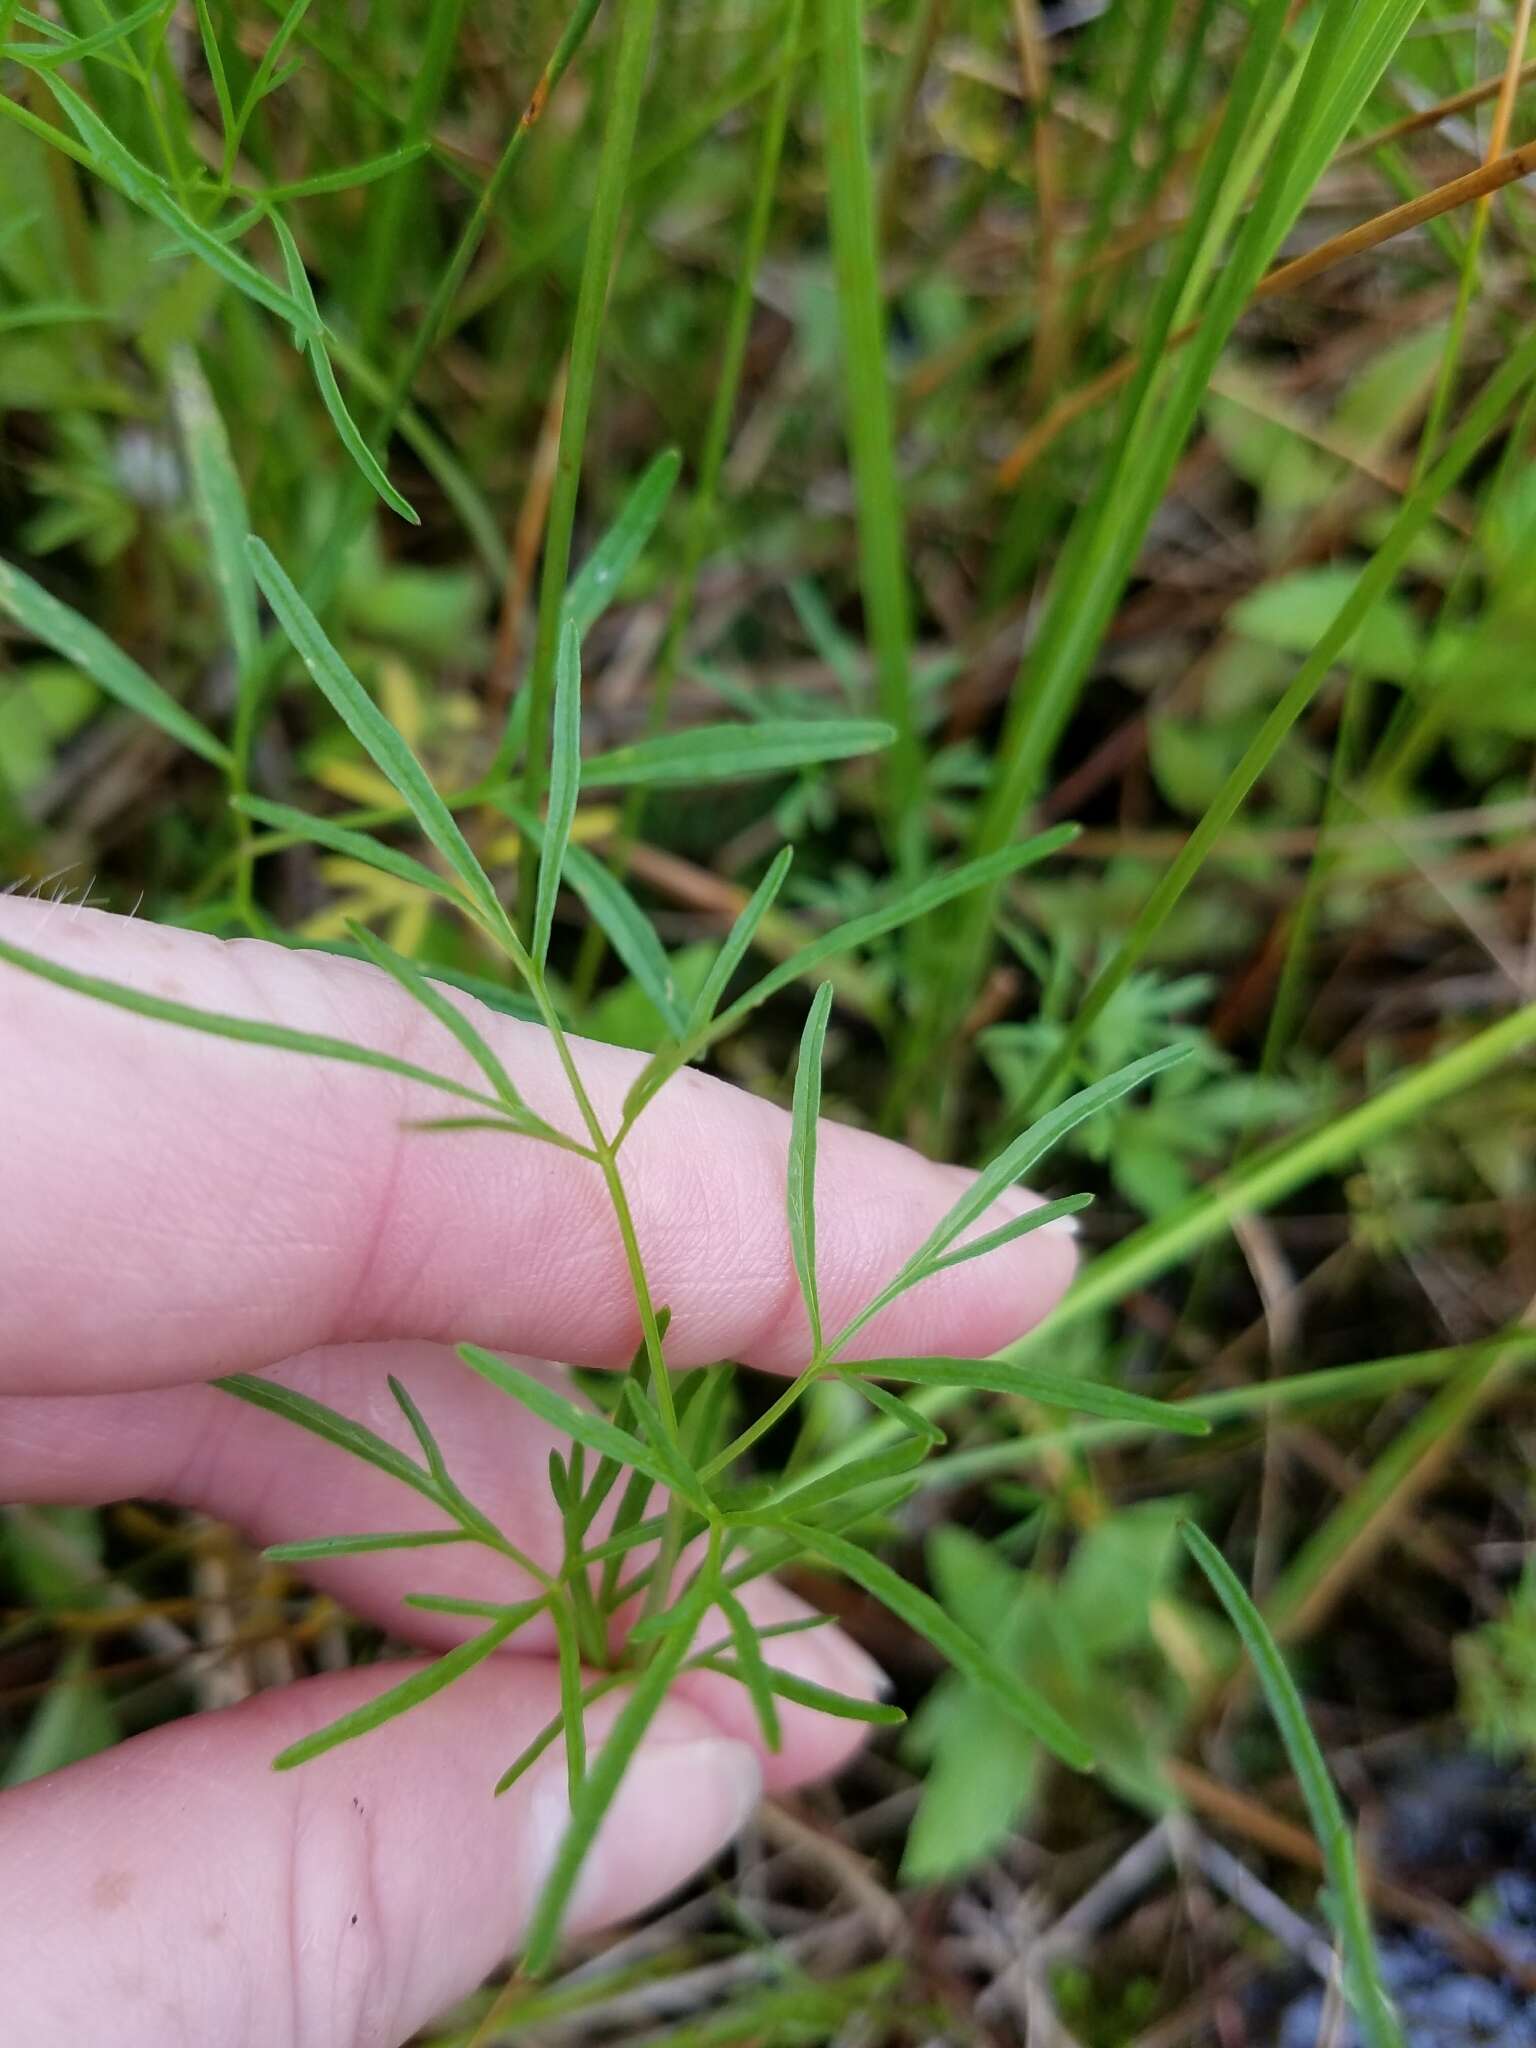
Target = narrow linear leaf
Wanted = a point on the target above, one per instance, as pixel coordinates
(1007, 1233)
(607, 1772)
(449, 1015)
(564, 787)
(738, 939)
(214, 58)
(42, 56)
(420, 1686)
(550, 1733)
(326, 1423)
(586, 1427)
(753, 1669)
(602, 574)
(974, 1659)
(361, 1546)
(735, 753)
(325, 376)
(790, 1502)
(55, 625)
(801, 1184)
(572, 1719)
(475, 1610)
(452, 1495)
(628, 929)
(122, 168)
(374, 733)
(1363, 1979)
(1050, 1389)
(348, 176)
(911, 1419)
(244, 1030)
(681, 1480)
(342, 839)
(220, 502)
(804, 1693)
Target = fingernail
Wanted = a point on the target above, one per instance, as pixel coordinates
(1060, 1226)
(678, 1806)
(846, 1666)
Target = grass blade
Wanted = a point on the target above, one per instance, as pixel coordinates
(801, 1185)
(43, 618)
(924, 1614)
(564, 786)
(399, 1699)
(735, 753)
(602, 574)
(1363, 1981)
(373, 731)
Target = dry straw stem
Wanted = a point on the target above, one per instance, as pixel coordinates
(1287, 277)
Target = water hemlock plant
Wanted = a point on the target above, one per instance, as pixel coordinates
(660, 1510)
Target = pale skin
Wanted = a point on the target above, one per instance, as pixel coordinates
(173, 1207)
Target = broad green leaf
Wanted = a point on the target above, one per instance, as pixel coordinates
(1367, 1992)
(373, 731)
(120, 167)
(734, 753)
(1293, 613)
(801, 1185)
(737, 940)
(353, 1437)
(602, 574)
(613, 1759)
(975, 1660)
(55, 625)
(243, 1030)
(803, 1692)
(220, 502)
(593, 1430)
(399, 1699)
(1033, 1383)
(325, 376)
(564, 787)
(361, 1546)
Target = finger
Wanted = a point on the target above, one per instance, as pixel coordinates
(200, 1448)
(174, 1205)
(177, 1889)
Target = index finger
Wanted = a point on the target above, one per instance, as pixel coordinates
(175, 1206)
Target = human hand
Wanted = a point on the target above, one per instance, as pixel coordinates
(174, 1207)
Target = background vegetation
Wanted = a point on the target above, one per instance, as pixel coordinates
(1129, 406)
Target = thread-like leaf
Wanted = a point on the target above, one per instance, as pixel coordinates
(362, 1546)
(738, 938)
(587, 1427)
(803, 1692)
(220, 502)
(753, 1669)
(449, 1015)
(353, 1437)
